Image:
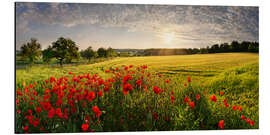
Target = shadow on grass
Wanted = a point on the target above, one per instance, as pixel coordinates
(190, 72)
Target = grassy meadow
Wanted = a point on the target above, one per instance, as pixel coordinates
(199, 66)
(235, 74)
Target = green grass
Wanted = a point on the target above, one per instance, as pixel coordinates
(199, 67)
(236, 74)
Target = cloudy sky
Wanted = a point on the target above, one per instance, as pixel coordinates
(135, 26)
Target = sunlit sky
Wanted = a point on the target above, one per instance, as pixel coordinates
(135, 26)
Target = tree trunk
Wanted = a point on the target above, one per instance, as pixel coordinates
(61, 62)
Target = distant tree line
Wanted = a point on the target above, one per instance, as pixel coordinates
(234, 46)
(89, 53)
(63, 49)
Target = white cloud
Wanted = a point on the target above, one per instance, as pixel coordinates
(189, 23)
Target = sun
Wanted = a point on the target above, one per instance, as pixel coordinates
(168, 38)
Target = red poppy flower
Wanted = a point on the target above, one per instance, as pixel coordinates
(167, 81)
(130, 66)
(139, 82)
(248, 120)
(189, 79)
(155, 116)
(52, 79)
(156, 89)
(66, 115)
(38, 109)
(234, 107)
(41, 128)
(220, 93)
(252, 123)
(46, 106)
(19, 93)
(36, 122)
(185, 84)
(59, 113)
(71, 102)
(29, 117)
(197, 97)
(59, 102)
(221, 124)
(144, 66)
(85, 126)
(172, 99)
(96, 110)
(91, 96)
(126, 78)
(23, 84)
(186, 99)
(127, 87)
(239, 108)
(51, 113)
(100, 81)
(213, 98)
(243, 117)
(100, 93)
(25, 128)
(45, 97)
(121, 120)
(70, 73)
(226, 105)
(18, 111)
(172, 92)
(167, 119)
(30, 112)
(191, 104)
(106, 88)
(47, 91)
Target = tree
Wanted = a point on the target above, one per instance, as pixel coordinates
(215, 48)
(224, 47)
(88, 53)
(244, 46)
(47, 54)
(111, 52)
(203, 50)
(31, 50)
(65, 49)
(235, 46)
(251, 48)
(195, 51)
(102, 52)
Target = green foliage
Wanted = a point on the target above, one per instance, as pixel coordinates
(124, 54)
(65, 49)
(31, 50)
(235, 46)
(47, 54)
(236, 74)
(102, 52)
(192, 118)
(110, 52)
(242, 81)
(89, 53)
